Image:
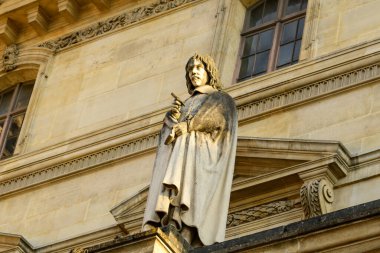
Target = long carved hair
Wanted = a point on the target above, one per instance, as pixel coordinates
(210, 67)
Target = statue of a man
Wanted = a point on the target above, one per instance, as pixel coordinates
(193, 170)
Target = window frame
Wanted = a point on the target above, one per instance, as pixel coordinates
(12, 112)
(277, 24)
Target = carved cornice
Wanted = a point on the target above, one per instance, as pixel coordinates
(80, 164)
(308, 92)
(114, 23)
(259, 212)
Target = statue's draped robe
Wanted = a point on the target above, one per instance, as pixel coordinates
(192, 176)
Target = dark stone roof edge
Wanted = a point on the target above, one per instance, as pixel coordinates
(295, 229)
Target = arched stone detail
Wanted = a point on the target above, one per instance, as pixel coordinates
(23, 65)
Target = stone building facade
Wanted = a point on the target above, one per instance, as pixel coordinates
(84, 85)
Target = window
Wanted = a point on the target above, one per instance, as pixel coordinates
(272, 36)
(13, 104)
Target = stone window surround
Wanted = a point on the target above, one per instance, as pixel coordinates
(11, 112)
(27, 66)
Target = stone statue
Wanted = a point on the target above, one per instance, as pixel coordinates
(193, 170)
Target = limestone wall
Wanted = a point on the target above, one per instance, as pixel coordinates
(74, 206)
(345, 23)
(120, 76)
(131, 72)
(349, 117)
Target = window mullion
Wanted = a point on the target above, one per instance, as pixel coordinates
(275, 46)
(3, 136)
(8, 120)
(260, 28)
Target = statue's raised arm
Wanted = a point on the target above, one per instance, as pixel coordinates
(193, 170)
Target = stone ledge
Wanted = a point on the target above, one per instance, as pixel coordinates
(350, 221)
(169, 241)
(14, 243)
(356, 214)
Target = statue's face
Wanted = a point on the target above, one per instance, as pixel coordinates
(197, 73)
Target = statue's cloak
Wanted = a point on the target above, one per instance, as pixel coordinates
(192, 176)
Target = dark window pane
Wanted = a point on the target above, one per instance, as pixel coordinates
(300, 28)
(297, 48)
(261, 63)
(256, 16)
(303, 5)
(285, 54)
(293, 6)
(1, 126)
(265, 40)
(13, 133)
(24, 96)
(250, 45)
(5, 102)
(246, 67)
(270, 11)
(289, 32)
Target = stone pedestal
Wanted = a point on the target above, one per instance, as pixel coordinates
(160, 240)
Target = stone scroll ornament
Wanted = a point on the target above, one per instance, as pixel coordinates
(316, 198)
(193, 170)
(10, 57)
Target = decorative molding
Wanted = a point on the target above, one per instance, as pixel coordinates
(113, 23)
(10, 57)
(316, 198)
(130, 212)
(79, 250)
(14, 243)
(308, 92)
(259, 212)
(246, 112)
(79, 164)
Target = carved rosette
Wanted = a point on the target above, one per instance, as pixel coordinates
(259, 212)
(316, 198)
(10, 57)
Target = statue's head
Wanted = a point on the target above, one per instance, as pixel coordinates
(201, 70)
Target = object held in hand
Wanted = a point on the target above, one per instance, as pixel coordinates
(171, 137)
(177, 98)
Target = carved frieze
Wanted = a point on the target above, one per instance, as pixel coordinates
(113, 23)
(307, 92)
(259, 212)
(80, 163)
(10, 57)
(79, 250)
(316, 197)
(245, 111)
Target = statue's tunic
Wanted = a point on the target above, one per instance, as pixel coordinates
(192, 176)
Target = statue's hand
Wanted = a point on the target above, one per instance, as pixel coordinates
(180, 129)
(175, 112)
